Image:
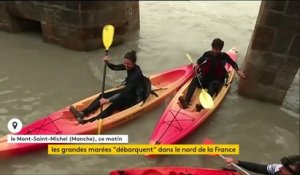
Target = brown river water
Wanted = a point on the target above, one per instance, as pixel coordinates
(38, 78)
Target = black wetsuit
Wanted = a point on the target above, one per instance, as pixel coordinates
(120, 99)
(272, 169)
(215, 74)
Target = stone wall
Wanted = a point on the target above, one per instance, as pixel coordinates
(272, 59)
(72, 24)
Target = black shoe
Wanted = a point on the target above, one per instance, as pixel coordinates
(81, 121)
(76, 113)
(199, 107)
(183, 102)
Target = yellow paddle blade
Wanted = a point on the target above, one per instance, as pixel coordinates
(189, 57)
(206, 100)
(107, 36)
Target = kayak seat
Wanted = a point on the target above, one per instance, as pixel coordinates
(148, 89)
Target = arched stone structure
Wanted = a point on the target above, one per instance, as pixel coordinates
(72, 24)
(272, 59)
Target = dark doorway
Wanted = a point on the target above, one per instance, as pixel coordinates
(20, 24)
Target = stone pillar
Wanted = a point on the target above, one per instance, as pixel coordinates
(72, 24)
(272, 59)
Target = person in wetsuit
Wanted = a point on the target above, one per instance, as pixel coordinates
(121, 99)
(290, 165)
(211, 71)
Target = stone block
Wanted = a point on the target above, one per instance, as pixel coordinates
(290, 64)
(293, 8)
(275, 5)
(290, 23)
(284, 80)
(84, 39)
(81, 40)
(48, 15)
(64, 31)
(4, 26)
(121, 27)
(95, 5)
(73, 5)
(72, 24)
(261, 92)
(31, 10)
(49, 35)
(4, 17)
(282, 41)
(68, 17)
(265, 60)
(273, 18)
(2, 6)
(118, 5)
(53, 39)
(12, 9)
(55, 3)
(267, 77)
(258, 74)
(61, 17)
(294, 50)
(280, 21)
(94, 18)
(47, 29)
(263, 38)
(58, 31)
(133, 19)
(286, 73)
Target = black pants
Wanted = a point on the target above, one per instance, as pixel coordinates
(118, 104)
(212, 86)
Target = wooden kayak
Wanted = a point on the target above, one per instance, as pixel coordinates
(173, 171)
(177, 123)
(63, 122)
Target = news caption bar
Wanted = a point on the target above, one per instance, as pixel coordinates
(67, 138)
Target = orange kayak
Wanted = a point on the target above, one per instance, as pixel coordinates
(63, 122)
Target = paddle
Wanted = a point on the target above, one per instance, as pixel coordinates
(107, 38)
(209, 141)
(204, 97)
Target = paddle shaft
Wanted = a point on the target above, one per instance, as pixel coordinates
(103, 82)
(103, 87)
(199, 82)
(235, 165)
(198, 79)
(190, 58)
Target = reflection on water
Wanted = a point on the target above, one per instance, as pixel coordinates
(37, 78)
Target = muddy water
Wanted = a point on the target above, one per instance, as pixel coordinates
(37, 78)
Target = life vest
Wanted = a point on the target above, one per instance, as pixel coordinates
(213, 69)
